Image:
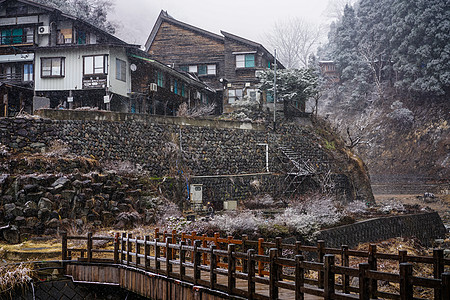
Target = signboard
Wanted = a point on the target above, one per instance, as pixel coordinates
(94, 83)
(69, 99)
(106, 99)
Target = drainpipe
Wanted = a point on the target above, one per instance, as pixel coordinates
(267, 155)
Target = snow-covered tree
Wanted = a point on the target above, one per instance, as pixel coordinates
(92, 11)
(292, 84)
(398, 42)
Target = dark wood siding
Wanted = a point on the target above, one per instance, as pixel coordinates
(177, 46)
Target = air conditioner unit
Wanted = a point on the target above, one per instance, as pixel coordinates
(44, 30)
(153, 87)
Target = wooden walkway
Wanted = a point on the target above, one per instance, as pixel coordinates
(244, 269)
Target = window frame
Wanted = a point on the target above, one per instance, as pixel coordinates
(242, 61)
(235, 97)
(62, 67)
(29, 75)
(104, 68)
(121, 70)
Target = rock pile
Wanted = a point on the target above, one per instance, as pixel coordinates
(44, 203)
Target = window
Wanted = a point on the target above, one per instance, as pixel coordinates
(16, 36)
(184, 68)
(245, 61)
(175, 86)
(234, 95)
(52, 67)
(28, 72)
(211, 69)
(202, 70)
(64, 36)
(160, 78)
(121, 70)
(252, 94)
(192, 69)
(269, 97)
(94, 65)
(183, 90)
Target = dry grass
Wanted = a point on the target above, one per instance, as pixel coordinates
(15, 276)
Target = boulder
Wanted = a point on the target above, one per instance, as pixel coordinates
(45, 203)
(12, 235)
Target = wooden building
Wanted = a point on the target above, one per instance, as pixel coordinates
(228, 63)
(47, 54)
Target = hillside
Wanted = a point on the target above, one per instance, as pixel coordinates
(400, 140)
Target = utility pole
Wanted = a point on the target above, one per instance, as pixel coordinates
(275, 89)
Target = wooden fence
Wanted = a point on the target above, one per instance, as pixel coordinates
(276, 266)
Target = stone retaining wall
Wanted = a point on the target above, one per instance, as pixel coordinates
(425, 227)
(168, 146)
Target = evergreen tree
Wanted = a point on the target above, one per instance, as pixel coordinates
(404, 42)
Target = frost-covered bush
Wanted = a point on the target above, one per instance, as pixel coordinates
(179, 224)
(393, 206)
(401, 115)
(355, 207)
(260, 202)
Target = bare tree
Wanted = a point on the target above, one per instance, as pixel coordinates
(335, 8)
(295, 39)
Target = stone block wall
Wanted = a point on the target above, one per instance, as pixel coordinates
(165, 146)
(424, 227)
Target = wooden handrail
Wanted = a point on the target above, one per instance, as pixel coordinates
(246, 262)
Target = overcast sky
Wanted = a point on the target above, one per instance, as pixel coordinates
(247, 18)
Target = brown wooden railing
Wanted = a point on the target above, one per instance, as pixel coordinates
(193, 258)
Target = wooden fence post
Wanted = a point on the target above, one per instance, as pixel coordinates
(345, 261)
(402, 256)
(445, 286)
(146, 252)
(260, 252)
(157, 255)
(174, 237)
(329, 278)
(231, 268)
(320, 254)
(298, 247)
(196, 258)
(364, 281)
(63, 246)
(244, 250)
(193, 243)
(299, 277)
(204, 245)
(157, 233)
(406, 288)
(116, 248)
(164, 240)
(182, 259)
(251, 273)
(372, 260)
(123, 246)
(129, 248)
(273, 274)
(438, 269)
(168, 257)
(138, 250)
(212, 267)
(89, 246)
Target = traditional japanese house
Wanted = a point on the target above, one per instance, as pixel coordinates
(67, 62)
(226, 62)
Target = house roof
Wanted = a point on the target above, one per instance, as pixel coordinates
(250, 43)
(164, 16)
